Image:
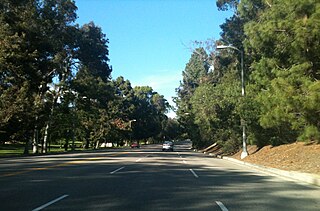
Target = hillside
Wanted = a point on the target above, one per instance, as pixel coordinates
(291, 157)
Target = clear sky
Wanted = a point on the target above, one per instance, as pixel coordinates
(148, 38)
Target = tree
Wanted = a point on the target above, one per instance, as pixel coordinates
(31, 40)
(92, 82)
(171, 129)
(285, 37)
(149, 113)
(195, 73)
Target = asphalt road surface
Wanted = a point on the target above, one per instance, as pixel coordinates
(145, 179)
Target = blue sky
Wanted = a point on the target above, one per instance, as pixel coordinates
(149, 39)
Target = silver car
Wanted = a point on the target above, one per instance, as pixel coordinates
(167, 146)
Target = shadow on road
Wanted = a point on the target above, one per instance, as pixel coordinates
(150, 180)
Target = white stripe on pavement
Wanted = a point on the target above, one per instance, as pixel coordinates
(222, 207)
(194, 173)
(49, 203)
(142, 158)
(117, 170)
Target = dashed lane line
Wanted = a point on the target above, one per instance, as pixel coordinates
(194, 173)
(221, 205)
(115, 171)
(138, 160)
(55, 166)
(50, 203)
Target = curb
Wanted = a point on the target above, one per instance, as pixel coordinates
(312, 179)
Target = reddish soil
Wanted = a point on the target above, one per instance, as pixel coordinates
(291, 157)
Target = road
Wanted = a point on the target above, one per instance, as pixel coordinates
(145, 179)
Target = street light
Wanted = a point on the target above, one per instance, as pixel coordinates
(130, 122)
(244, 143)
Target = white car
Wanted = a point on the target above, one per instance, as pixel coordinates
(167, 146)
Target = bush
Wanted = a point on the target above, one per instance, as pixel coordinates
(232, 145)
(311, 133)
(275, 141)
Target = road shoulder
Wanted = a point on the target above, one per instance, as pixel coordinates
(312, 179)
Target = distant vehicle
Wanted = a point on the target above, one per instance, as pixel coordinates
(135, 145)
(167, 146)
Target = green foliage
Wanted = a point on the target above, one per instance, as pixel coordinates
(310, 133)
(214, 107)
(287, 73)
(227, 4)
(231, 145)
(171, 129)
(30, 42)
(150, 112)
(280, 41)
(55, 82)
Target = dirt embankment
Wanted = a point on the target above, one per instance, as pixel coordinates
(291, 157)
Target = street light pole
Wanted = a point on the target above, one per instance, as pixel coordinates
(244, 152)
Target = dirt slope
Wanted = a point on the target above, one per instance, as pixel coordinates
(291, 157)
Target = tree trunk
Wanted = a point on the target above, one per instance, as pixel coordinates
(87, 144)
(35, 141)
(26, 147)
(66, 145)
(45, 139)
(97, 144)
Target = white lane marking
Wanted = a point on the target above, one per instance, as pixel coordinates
(49, 203)
(222, 207)
(142, 158)
(117, 170)
(194, 173)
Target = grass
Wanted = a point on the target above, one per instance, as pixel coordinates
(17, 149)
(11, 149)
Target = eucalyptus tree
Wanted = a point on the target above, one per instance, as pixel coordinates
(124, 101)
(171, 129)
(58, 18)
(31, 40)
(92, 82)
(16, 63)
(150, 110)
(195, 73)
(121, 111)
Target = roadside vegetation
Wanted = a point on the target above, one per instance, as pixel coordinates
(56, 87)
(281, 49)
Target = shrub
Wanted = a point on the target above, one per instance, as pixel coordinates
(311, 133)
